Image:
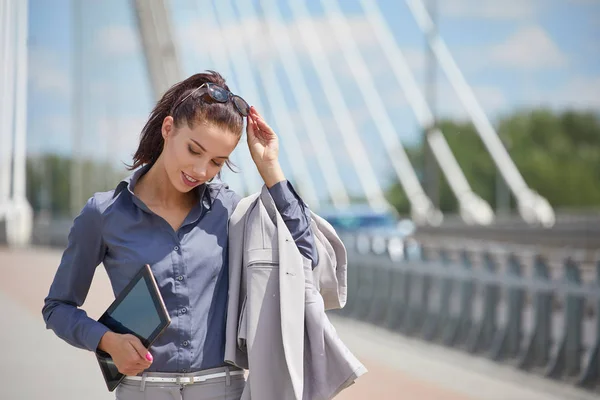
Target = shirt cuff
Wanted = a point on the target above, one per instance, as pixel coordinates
(97, 330)
(284, 195)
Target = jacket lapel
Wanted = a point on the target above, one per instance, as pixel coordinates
(237, 287)
(291, 291)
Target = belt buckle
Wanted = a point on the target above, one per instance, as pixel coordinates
(185, 380)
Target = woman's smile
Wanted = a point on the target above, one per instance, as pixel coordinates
(188, 180)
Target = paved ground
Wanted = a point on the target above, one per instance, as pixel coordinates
(38, 365)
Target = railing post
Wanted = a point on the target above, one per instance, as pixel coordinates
(417, 301)
(426, 283)
(467, 297)
(591, 373)
(507, 341)
(438, 312)
(365, 288)
(537, 350)
(457, 330)
(400, 293)
(575, 305)
(568, 359)
(482, 333)
(382, 285)
(516, 304)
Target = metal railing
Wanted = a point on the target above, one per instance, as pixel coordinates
(516, 308)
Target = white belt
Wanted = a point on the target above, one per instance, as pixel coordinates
(182, 380)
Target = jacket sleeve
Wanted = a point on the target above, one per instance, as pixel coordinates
(85, 250)
(297, 218)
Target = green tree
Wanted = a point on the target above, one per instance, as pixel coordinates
(48, 181)
(558, 155)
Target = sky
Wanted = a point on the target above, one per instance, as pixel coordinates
(513, 54)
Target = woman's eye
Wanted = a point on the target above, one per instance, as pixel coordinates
(217, 164)
(192, 151)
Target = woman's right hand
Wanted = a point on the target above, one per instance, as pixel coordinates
(128, 353)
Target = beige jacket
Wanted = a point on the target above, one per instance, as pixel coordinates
(276, 322)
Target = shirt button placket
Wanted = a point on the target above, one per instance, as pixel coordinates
(183, 310)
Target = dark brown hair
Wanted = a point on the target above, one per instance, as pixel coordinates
(194, 109)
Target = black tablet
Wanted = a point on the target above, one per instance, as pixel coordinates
(138, 310)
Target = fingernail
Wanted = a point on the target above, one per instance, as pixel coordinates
(149, 357)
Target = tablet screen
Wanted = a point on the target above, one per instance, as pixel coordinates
(136, 314)
(139, 311)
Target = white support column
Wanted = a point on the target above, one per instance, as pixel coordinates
(312, 123)
(77, 101)
(473, 209)
(534, 208)
(7, 85)
(164, 68)
(234, 180)
(288, 134)
(20, 222)
(342, 115)
(154, 24)
(422, 209)
(252, 180)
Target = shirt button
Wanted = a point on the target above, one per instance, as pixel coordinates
(183, 310)
(180, 278)
(185, 343)
(176, 248)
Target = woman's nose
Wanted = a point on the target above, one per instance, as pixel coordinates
(200, 170)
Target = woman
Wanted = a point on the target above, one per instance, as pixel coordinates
(171, 215)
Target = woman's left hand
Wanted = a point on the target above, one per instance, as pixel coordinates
(262, 140)
(264, 148)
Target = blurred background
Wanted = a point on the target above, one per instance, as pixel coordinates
(454, 144)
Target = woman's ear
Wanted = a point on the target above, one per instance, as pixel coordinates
(167, 127)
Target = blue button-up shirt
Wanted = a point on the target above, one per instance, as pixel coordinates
(190, 265)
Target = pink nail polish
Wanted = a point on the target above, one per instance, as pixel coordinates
(149, 357)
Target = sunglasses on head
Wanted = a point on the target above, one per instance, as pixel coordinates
(221, 95)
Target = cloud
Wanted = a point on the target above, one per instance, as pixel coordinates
(236, 35)
(491, 98)
(529, 48)
(579, 92)
(582, 92)
(117, 40)
(49, 133)
(584, 2)
(121, 135)
(489, 9)
(46, 74)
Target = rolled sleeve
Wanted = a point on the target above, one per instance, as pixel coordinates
(84, 252)
(296, 215)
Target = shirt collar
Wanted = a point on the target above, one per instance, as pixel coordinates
(207, 192)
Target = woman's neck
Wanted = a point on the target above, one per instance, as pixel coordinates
(155, 189)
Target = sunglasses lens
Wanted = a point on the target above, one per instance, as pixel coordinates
(241, 105)
(218, 93)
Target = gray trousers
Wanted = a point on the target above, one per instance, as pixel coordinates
(223, 388)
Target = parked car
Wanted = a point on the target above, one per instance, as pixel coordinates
(367, 220)
(367, 230)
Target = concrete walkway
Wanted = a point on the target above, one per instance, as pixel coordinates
(38, 365)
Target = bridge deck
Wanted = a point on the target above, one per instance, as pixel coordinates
(40, 365)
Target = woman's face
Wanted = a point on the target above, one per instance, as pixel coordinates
(192, 157)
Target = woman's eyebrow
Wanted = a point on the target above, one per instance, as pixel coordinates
(204, 150)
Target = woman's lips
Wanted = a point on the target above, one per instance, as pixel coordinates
(186, 180)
